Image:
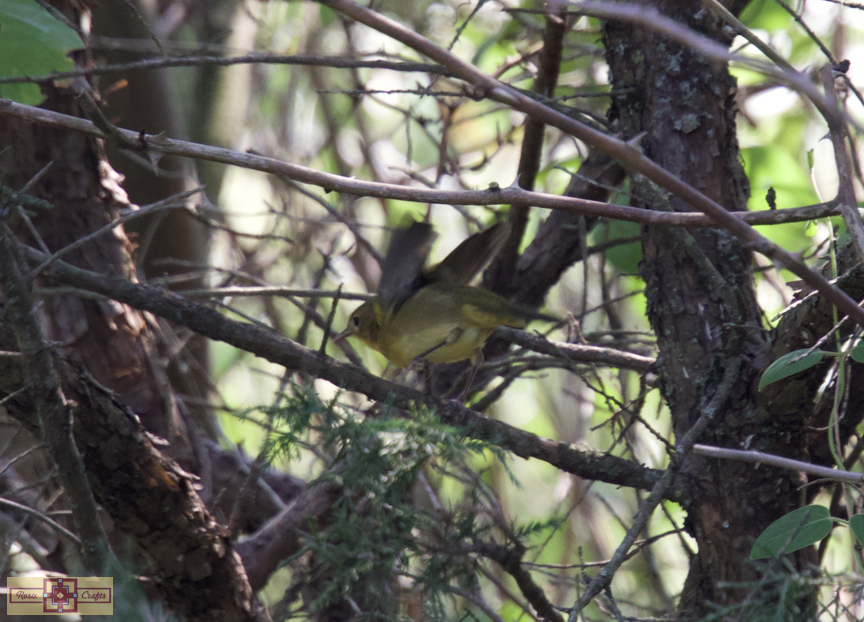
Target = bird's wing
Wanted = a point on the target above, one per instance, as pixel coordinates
(400, 272)
(466, 260)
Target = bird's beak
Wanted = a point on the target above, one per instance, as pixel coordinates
(345, 333)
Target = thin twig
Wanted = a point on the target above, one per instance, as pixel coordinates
(683, 447)
(329, 325)
(45, 519)
(846, 191)
(786, 463)
(133, 8)
(247, 59)
(813, 36)
(748, 34)
(575, 352)
(172, 202)
(23, 214)
(270, 291)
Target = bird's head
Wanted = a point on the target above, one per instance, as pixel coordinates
(364, 323)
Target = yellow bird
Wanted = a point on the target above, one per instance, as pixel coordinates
(434, 315)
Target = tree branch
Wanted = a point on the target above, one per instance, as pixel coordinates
(580, 460)
(246, 59)
(500, 272)
(846, 191)
(759, 457)
(604, 578)
(511, 561)
(627, 154)
(280, 537)
(576, 352)
(338, 183)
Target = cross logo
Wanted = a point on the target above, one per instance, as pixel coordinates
(60, 595)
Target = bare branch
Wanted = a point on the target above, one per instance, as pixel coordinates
(578, 459)
(486, 86)
(219, 292)
(45, 519)
(172, 202)
(510, 559)
(492, 196)
(246, 59)
(281, 536)
(846, 191)
(785, 463)
(575, 352)
(604, 578)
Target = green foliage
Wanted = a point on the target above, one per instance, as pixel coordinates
(792, 532)
(789, 365)
(625, 257)
(857, 353)
(532, 528)
(32, 42)
(375, 532)
(9, 199)
(781, 594)
(765, 14)
(856, 524)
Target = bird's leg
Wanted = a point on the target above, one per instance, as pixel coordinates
(418, 367)
(476, 361)
(400, 376)
(427, 377)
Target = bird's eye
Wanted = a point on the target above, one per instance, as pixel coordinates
(356, 320)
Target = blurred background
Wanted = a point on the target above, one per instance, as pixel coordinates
(415, 127)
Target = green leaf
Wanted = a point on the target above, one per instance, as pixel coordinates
(856, 524)
(32, 42)
(793, 532)
(625, 257)
(787, 365)
(858, 352)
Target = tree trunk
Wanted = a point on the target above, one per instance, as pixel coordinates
(701, 298)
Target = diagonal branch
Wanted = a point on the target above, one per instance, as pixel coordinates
(580, 460)
(846, 192)
(510, 559)
(604, 578)
(627, 154)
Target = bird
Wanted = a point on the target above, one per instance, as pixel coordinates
(433, 314)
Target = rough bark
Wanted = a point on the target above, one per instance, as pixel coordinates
(168, 242)
(701, 299)
(147, 496)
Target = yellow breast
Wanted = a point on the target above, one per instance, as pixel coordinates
(444, 324)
